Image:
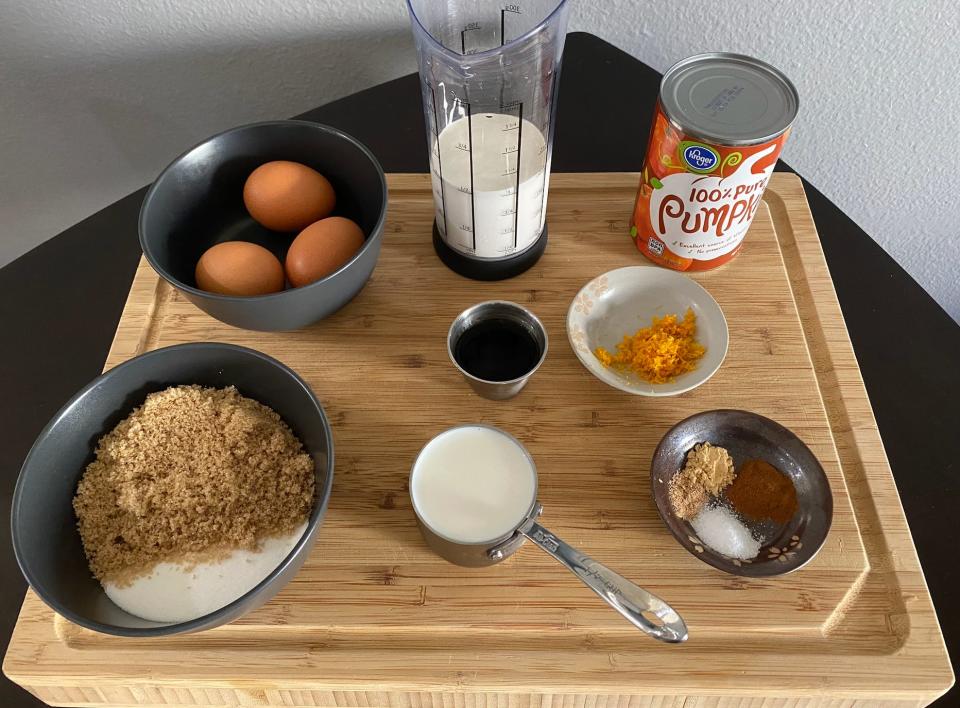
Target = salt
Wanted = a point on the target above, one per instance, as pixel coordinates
(721, 530)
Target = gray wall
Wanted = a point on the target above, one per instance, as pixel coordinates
(97, 96)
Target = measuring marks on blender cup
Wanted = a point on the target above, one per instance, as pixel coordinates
(489, 171)
(472, 28)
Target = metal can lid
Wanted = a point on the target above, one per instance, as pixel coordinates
(728, 98)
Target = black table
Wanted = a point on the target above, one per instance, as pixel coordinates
(60, 303)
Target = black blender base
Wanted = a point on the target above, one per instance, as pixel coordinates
(489, 270)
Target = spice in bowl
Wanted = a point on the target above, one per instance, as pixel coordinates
(658, 353)
(695, 495)
(728, 510)
(761, 491)
(724, 532)
(708, 470)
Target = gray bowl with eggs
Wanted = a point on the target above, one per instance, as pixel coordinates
(197, 202)
(46, 541)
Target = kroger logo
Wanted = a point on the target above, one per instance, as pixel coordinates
(700, 158)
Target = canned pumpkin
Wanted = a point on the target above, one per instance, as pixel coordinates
(720, 124)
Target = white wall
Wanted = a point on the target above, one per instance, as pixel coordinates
(96, 96)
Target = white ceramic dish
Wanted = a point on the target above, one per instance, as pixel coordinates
(624, 300)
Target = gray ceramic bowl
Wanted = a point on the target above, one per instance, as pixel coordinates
(197, 201)
(748, 436)
(45, 538)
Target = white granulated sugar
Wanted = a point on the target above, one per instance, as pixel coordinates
(721, 530)
(177, 593)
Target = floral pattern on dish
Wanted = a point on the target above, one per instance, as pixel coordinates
(583, 304)
(579, 339)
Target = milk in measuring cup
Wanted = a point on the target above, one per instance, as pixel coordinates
(478, 157)
(473, 484)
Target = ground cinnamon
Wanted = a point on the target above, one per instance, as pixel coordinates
(761, 491)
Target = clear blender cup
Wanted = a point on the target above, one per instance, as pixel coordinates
(489, 76)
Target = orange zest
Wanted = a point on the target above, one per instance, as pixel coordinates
(658, 353)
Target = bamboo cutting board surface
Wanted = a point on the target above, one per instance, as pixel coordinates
(375, 619)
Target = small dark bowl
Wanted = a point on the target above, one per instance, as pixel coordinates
(748, 436)
(43, 524)
(197, 202)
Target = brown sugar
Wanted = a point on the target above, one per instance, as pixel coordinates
(193, 471)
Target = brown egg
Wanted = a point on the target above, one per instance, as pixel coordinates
(239, 268)
(287, 196)
(321, 248)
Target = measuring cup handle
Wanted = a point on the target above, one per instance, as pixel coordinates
(644, 610)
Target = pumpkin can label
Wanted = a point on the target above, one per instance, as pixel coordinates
(696, 198)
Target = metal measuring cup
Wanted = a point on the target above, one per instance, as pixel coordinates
(641, 608)
(493, 310)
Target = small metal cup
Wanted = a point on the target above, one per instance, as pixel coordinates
(497, 309)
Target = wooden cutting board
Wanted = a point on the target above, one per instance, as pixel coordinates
(375, 619)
